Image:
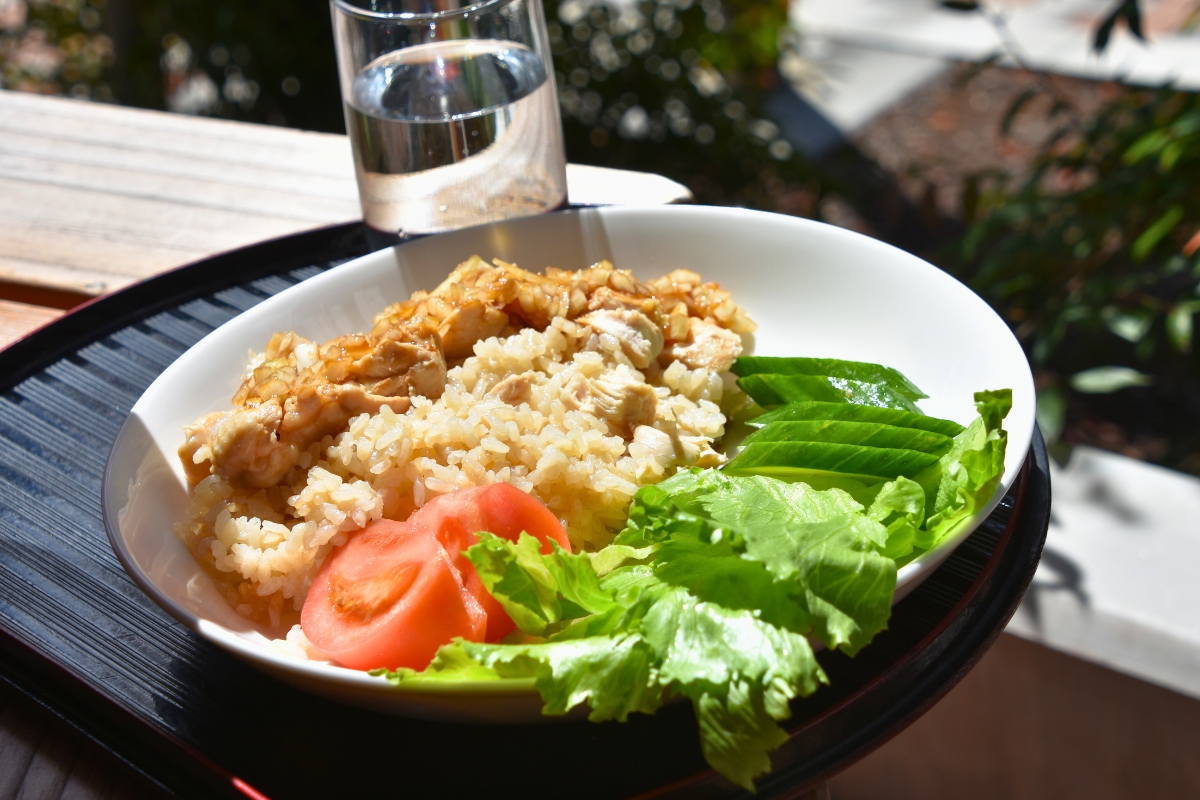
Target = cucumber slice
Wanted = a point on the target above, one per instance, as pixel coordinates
(867, 434)
(770, 390)
(833, 367)
(797, 412)
(793, 460)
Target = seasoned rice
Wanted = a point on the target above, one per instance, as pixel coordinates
(270, 543)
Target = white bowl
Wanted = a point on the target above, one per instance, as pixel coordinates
(814, 289)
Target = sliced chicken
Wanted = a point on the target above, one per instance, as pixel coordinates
(246, 449)
(616, 396)
(515, 389)
(196, 451)
(708, 345)
(641, 340)
(471, 322)
(669, 448)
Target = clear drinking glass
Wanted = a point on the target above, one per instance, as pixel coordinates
(452, 111)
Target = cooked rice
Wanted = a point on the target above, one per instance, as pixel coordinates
(272, 542)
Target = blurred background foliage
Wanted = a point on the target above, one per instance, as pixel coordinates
(55, 47)
(1094, 259)
(1093, 256)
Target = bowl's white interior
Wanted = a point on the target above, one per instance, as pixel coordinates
(814, 290)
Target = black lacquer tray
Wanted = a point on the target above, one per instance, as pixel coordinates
(77, 635)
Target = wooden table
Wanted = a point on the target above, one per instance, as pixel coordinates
(96, 197)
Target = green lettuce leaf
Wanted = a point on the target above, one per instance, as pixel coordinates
(713, 588)
(615, 675)
(739, 673)
(965, 478)
(537, 590)
(818, 550)
(900, 507)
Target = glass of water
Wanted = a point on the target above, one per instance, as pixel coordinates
(451, 110)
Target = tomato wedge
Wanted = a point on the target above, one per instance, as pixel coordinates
(499, 508)
(390, 597)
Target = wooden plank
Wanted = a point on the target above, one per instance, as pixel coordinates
(20, 734)
(18, 319)
(180, 135)
(40, 276)
(89, 229)
(94, 197)
(40, 149)
(50, 767)
(233, 193)
(91, 777)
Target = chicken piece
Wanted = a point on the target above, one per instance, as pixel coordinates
(708, 345)
(468, 324)
(515, 389)
(606, 298)
(676, 328)
(704, 300)
(617, 396)
(669, 448)
(641, 340)
(196, 452)
(319, 410)
(402, 368)
(246, 449)
(302, 392)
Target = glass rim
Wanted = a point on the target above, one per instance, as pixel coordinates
(412, 17)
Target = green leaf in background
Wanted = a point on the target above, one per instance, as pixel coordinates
(852, 412)
(867, 434)
(1130, 326)
(1051, 412)
(769, 391)
(1103, 380)
(833, 367)
(1179, 325)
(1146, 242)
(795, 460)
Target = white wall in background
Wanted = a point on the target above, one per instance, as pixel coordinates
(1119, 582)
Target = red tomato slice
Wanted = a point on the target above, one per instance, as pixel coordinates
(390, 597)
(455, 540)
(499, 508)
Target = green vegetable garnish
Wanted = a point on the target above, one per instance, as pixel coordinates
(795, 460)
(771, 391)
(833, 367)
(801, 411)
(714, 586)
(866, 434)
